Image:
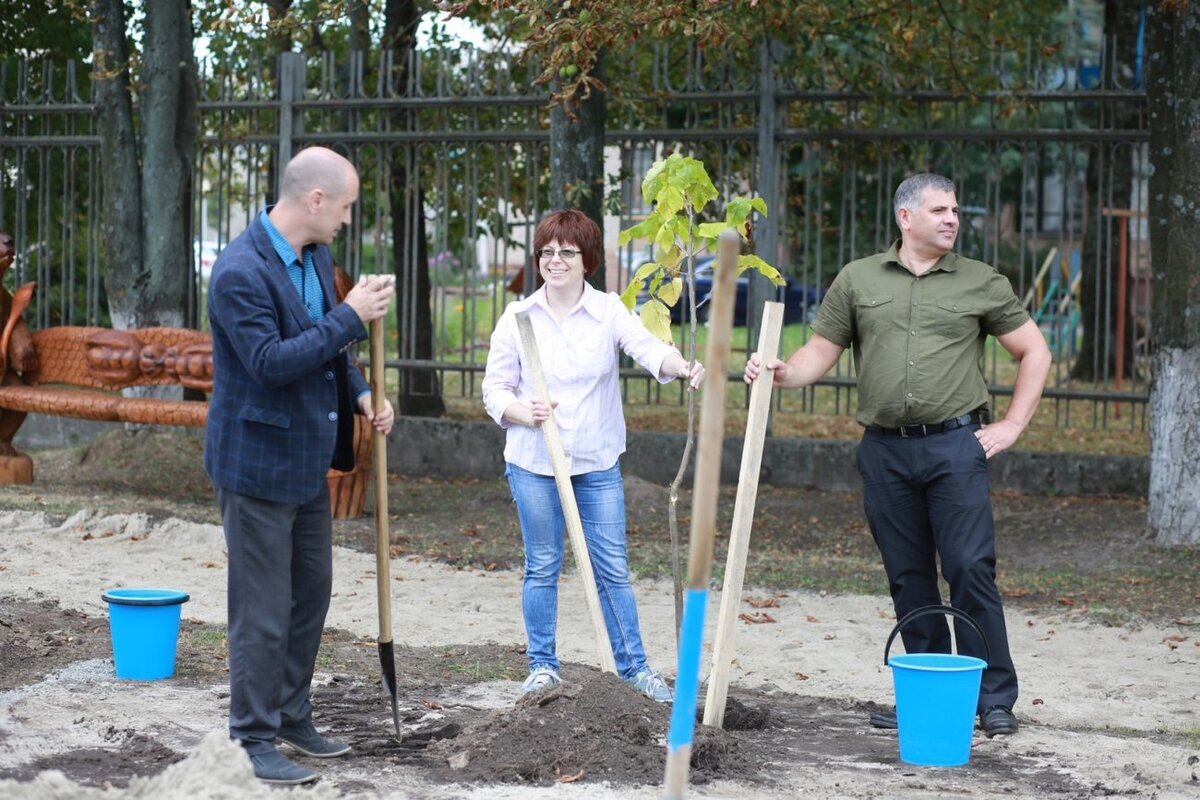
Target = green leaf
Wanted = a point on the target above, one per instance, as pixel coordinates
(737, 211)
(656, 282)
(657, 319)
(700, 187)
(682, 229)
(766, 270)
(670, 257)
(643, 272)
(646, 229)
(665, 238)
(759, 205)
(711, 230)
(629, 296)
(669, 201)
(654, 181)
(669, 294)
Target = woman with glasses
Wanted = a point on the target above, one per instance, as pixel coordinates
(580, 332)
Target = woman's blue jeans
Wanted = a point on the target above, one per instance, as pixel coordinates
(600, 497)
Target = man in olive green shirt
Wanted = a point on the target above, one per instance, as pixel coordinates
(917, 317)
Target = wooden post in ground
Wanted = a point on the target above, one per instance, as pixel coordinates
(566, 495)
(704, 519)
(743, 517)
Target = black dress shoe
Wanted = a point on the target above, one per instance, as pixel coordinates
(883, 719)
(998, 721)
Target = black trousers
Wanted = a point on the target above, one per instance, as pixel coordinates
(280, 578)
(928, 497)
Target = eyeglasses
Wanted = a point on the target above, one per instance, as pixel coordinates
(548, 253)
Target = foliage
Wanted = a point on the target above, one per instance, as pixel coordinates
(34, 28)
(679, 188)
(952, 44)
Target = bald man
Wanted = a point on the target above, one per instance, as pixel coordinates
(284, 393)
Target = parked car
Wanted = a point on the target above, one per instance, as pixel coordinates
(799, 301)
(205, 254)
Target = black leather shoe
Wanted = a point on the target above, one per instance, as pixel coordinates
(883, 719)
(998, 721)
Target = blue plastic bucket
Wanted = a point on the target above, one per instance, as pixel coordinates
(144, 625)
(936, 698)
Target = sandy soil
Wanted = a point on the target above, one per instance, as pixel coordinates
(1106, 710)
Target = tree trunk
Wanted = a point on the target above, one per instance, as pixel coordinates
(168, 117)
(1097, 356)
(577, 159)
(420, 390)
(1174, 95)
(121, 213)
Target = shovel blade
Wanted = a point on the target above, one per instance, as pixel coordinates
(387, 665)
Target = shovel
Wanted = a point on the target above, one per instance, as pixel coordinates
(383, 544)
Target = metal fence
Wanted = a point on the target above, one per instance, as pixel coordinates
(1049, 176)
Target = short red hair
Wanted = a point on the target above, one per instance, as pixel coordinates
(571, 228)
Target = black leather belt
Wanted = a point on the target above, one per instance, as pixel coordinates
(909, 431)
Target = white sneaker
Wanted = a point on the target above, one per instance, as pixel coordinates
(540, 679)
(653, 685)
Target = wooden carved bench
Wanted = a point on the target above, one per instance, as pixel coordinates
(78, 372)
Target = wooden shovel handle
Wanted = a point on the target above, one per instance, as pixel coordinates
(566, 494)
(383, 544)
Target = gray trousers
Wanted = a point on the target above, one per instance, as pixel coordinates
(280, 577)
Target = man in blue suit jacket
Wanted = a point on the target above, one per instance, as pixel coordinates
(284, 391)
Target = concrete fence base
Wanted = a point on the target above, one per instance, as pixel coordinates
(450, 449)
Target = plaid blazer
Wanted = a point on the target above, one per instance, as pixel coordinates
(282, 405)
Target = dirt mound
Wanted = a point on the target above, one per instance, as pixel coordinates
(597, 730)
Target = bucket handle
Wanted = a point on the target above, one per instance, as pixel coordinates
(924, 611)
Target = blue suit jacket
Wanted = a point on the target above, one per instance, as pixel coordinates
(282, 404)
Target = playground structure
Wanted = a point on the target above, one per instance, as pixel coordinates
(1054, 299)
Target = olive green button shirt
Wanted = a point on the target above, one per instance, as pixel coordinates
(918, 340)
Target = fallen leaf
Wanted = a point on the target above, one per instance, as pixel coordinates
(431, 705)
(209, 564)
(1037, 701)
(87, 537)
(811, 618)
(1066, 601)
(757, 618)
(800, 676)
(763, 602)
(570, 778)
(1175, 638)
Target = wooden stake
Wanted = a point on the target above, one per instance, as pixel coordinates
(566, 495)
(704, 519)
(743, 517)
